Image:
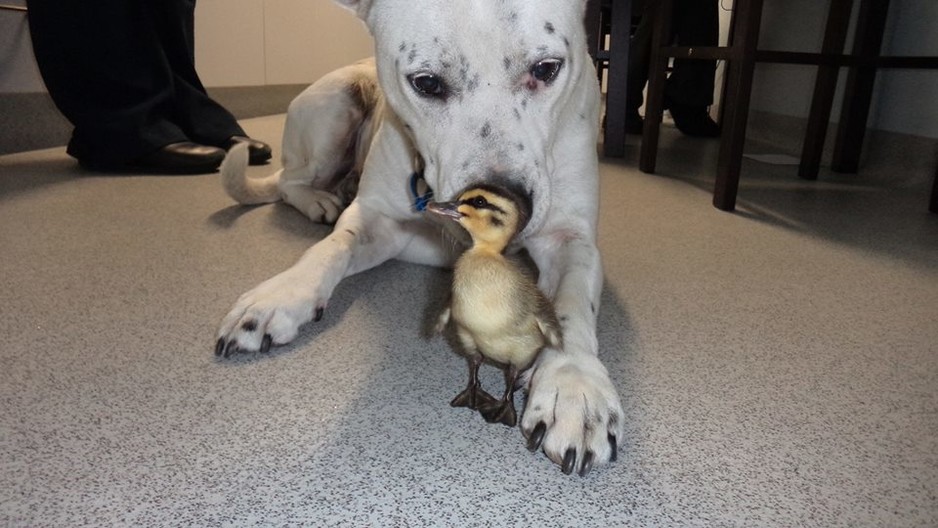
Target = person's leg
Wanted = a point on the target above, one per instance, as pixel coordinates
(103, 71)
(689, 90)
(202, 119)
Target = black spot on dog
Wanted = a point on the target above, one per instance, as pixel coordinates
(412, 56)
(464, 69)
(520, 147)
(566, 42)
(249, 326)
(517, 114)
(486, 130)
(507, 62)
(549, 28)
(402, 47)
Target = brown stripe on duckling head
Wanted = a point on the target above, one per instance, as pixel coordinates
(510, 191)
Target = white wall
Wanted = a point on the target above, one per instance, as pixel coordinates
(258, 42)
(18, 71)
(904, 101)
(907, 100)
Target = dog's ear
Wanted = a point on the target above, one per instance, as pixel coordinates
(360, 7)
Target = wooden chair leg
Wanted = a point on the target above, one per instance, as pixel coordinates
(871, 23)
(739, 89)
(657, 75)
(835, 35)
(617, 79)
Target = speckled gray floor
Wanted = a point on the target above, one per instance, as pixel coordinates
(779, 365)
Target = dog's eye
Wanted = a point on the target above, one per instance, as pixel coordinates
(546, 70)
(427, 84)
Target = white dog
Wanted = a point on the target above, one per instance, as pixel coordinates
(470, 90)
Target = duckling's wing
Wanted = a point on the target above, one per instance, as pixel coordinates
(443, 320)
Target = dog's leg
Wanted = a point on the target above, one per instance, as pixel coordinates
(573, 410)
(320, 206)
(326, 137)
(272, 312)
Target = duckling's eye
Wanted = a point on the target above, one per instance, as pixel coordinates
(479, 202)
(546, 70)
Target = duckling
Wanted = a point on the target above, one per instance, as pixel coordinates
(498, 311)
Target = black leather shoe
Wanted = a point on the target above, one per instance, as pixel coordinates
(693, 121)
(181, 158)
(258, 151)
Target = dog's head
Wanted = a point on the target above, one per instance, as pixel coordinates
(486, 87)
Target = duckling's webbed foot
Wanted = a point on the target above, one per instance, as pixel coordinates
(473, 397)
(503, 410)
(500, 411)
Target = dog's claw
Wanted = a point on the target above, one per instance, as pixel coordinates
(569, 461)
(265, 344)
(231, 348)
(587, 464)
(318, 316)
(219, 346)
(536, 437)
(614, 447)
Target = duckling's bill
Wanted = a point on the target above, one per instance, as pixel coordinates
(445, 209)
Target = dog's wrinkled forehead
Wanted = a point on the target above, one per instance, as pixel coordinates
(480, 85)
(440, 18)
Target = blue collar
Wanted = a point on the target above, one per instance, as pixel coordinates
(420, 191)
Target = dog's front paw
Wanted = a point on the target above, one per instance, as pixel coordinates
(269, 314)
(573, 411)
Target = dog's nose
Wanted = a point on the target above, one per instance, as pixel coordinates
(513, 179)
(503, 177)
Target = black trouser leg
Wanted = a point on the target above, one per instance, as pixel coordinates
(198, 115)
(110, 67)
(695, 23)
